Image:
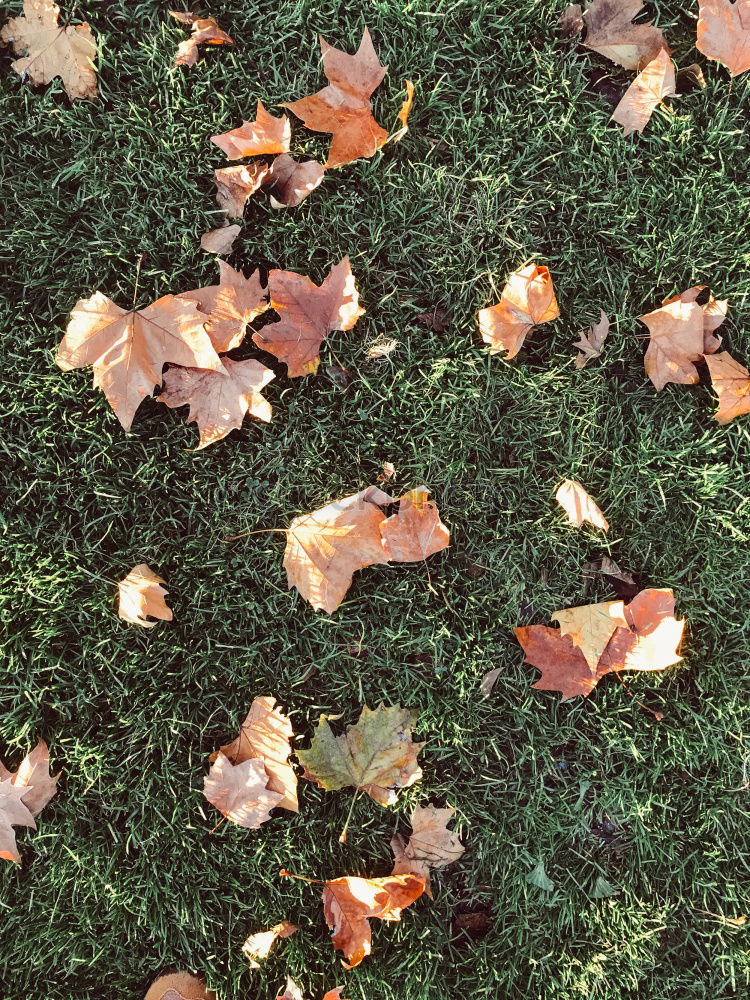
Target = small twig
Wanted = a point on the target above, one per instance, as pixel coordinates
(651, 711)
(260, 531)
(222, 820)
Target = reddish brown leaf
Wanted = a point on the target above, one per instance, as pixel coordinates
(415, 531)
(220, 241)
(141, 597)
(527, 300)
(732, 384)
(655, 82)
(265, 135)
(205, 31)
(291, 182)
(562, 665)
(343, 108)
(179, 986)
(724, 33)
(234, 185)
(228, 307)
(611, 33)
(240, 792)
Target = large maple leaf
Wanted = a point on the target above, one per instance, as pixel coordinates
(343, 108)
(129, 348)
(610, 32)
(53, 50)
(681, 332)
(527, 299)
(724, 33)
(240, 791)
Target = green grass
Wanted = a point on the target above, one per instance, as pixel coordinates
(510, 157)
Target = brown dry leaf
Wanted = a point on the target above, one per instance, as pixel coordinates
(388, 472)
(415, 531)
(343, 108)
(179, 986)
(624, 584)
(265, 735)
(591, 626)
(732, 384)
(229, 306)
(655, 82)
(611, 33)
(12, 813)
(141, 597)
(308, 314)
(258, 946)
(218, 401)
(291, 182)
(234, 185)
(51, 50)
(220, 241)
(33, 775)
(265, 135)
(376, 755)
(431, 845)
(334, 994)
(724, 33)
(240, 792)
(349, 903)
(571, 20)
(487, 683)
(590, 344)
(205, 31)
(403, 115)
(579, 505)
(648, 642)
(128, 349)
(292, 991)
(527, 300)
(681, 333)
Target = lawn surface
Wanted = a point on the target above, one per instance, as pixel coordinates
(510, 157)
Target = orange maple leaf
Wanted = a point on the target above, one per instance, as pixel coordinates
(724, 33)
(527, 299)
(732, 384)
(655, 82)
(205, 31)
(265, 135)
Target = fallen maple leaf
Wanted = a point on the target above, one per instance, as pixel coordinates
(655, 82)
(591, 626)
(52, 50)
(724, 33)
(376, 755)
(415, 531)
(590, 345)
(229, 306)
(349, 903)
(179, 986)
(141, 597)
(579, 505)
(527, 300)
(732, 384)
(12, 813)
(290, 182)
(258, 946)
(220, 241)
(218, 401)
(265, 735)
(431, 844)
(648, 641)
(205, 31)
(129, 349)
(23, 795)
(681, 333)
(240, 792)
(234, 185)
(265, 135)
(611, 33)
(343, 108)
(308, 314)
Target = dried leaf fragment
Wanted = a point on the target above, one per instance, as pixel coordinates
(403, 115)
(376, 755)
(234, 185)
(590, 344)
(732, 384)
(141, 597)
(571, 20)
(579, 505)
(527, 299)
(220, 241)
(431, 844)
(655, 82)
(611, 33)
(343, 107)
(488, 682)
(724, 33)
(51, 50)
(179, 986)
(415, 531)
(258, 946)
(205, 31)
(229, 306)
(290, 181)
(240, 792)
(264, 135)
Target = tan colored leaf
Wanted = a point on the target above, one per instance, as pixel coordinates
(376, 755)
(291, 182)
(591, 626)
(676, 342)
(308, 314)
(714, 314)
(179, 986)
(220, 241)
(13, 812)
(343, 108)
(239, 791)
(487, 683)
(611, 33)
(415, 531)
(229, 306)
(234, 185)
(431, 845)
(265, 735)
(51, 50)
(265, 135)
(403, 115)
(205, 31)
(724, 33)
(292, 991)
(33, 775)
(655, 82)
(218, 401)
(579, 505)
(349, 903)
(141, 597)
(590, 344)
(258, 946)
(527, 300)
(732, 385)
(129, 349)
(571, 20)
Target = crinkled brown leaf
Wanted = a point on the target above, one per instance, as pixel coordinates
(240, 792)
(343, 108)
(308, 314)
(234, 185)
(228, 307)
(527, 300)
(724, 33)
(179, 986)
(220, 241)
(655, 82)
(52, 50)
(611, 33)
(290, 181)
(33, 775)
(681, 332)
(218, 401)
(571, 20)
(731, 381)
(258, 946)
(205, 31)
(128, 349)
(141, 597)
(431, 844)
(12, 813)
(265, 735)
(265, 135)
(415, 531)
(590, 344)
(579, 505)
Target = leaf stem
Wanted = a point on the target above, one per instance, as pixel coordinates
(342, 835)
(260, 531)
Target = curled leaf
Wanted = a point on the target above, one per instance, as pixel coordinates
(528, 299)
(141, 597)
